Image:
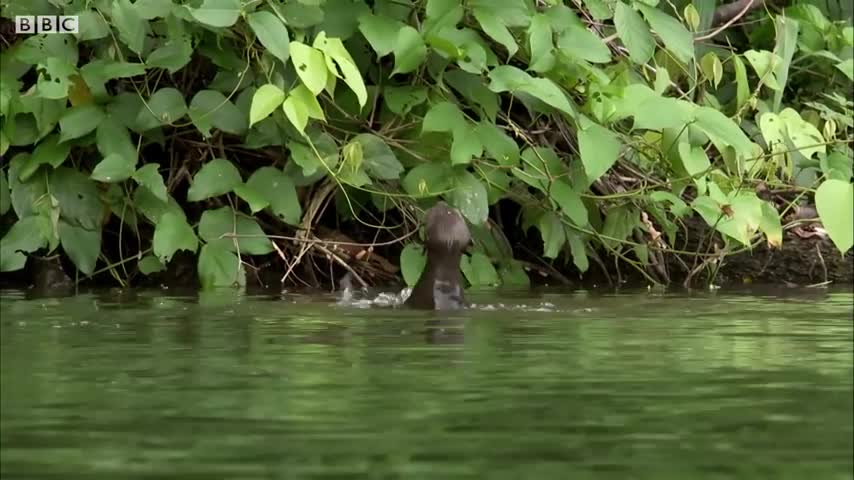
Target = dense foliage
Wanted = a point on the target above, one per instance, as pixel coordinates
(220, 127)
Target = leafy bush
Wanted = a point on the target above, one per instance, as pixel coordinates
(208, 126)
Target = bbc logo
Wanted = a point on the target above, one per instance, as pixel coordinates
(46, 24)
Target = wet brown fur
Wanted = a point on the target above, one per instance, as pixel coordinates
(440, 284)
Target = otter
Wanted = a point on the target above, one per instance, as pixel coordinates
(440, 284)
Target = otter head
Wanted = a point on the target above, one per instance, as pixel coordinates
(446, 229)
(440, 284)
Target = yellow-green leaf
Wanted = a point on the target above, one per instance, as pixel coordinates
(265, 101)
(834, 201)
(310, 66)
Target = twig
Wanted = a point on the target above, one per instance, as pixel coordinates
(315, 240)
(724, 10)
(338, 260)
(821, 260)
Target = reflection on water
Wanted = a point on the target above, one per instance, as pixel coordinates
(551, 384)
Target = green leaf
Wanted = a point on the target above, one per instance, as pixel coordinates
(100, 71)
(847, 68)
(266, 99)
(113, 168)
(770, 224)
(508, 78)
(217, 13)
(662, 81)
(49, 151)
(219, 267)
(443, 117)
(81, 245)
(278, 189)
(619, 223)
(473, 89)
(804, 135)
(150, 264)
(173, 233)
(442, 14)
(5, 194)
(255, 200)
(675, 36)
(428, 179)
(722, 129)
(401, 100)
(342, 17)
(379, 160)
(412, 263)
(35, 49)
(835, 165)
(151, 207)
(584, 44)
(91, 26)
(249, 237)
(658, 113)
(149, 177)
(25, 235)
(742, 86)
(297, 110)
(78, 198)
(130, 25)
(540, 164)
(113, 139)
(26, 194)
(764, 64)
(540, 43)
(173, 55)
(694, 159)
(712, 68)
(466, 145)
(151, 9)
(470, 197)
(308, 102)
(497, 181)
(306, 158)
(334, 50)
(634, 33)
(310, 66)
(301, 15)
(599, 9)
(599, 148)
(579, 251)
(479, 270)
(746, 215)
(409, 50)
(215, 178)
(167, 105)
(78, 121)
(553, 233)
(381, 32)
(569, 201)
(785, 47)
(513, 274)
(834, 201)
(271, 32)
(496, 29)
(210, 108)
(55, 80)
(498, 145)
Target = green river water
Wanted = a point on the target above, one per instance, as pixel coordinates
(569, 385)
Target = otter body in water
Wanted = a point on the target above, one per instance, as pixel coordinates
(440, 284)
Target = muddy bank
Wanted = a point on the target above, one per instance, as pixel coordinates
(799, 261)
